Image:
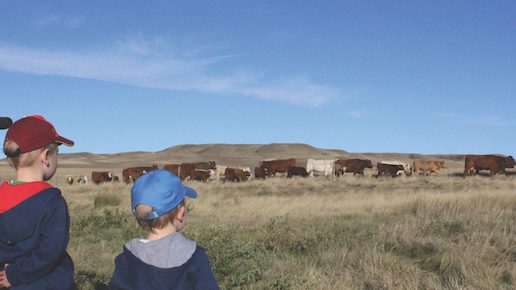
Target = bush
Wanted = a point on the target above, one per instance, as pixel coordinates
(103, 200)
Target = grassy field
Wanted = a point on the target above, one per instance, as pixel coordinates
(437, 232)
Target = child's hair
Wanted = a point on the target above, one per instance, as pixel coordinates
(17, 160)
(142, 210)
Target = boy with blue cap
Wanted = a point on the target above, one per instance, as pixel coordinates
(165, 259)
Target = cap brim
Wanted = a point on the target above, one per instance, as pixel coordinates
(64, 141)
(5, 122)
(190, 192)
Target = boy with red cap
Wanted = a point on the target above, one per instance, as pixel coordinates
(34, 220)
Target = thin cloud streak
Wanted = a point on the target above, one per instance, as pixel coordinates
(134, 63)
(70, 22)
(484, 120)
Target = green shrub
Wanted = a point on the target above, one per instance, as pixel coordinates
(103, 200)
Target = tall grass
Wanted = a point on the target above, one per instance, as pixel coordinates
(437, 232)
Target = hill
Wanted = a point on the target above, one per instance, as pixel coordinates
(227, 154)
(233, 154)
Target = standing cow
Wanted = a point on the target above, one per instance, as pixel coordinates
(297, 171)
(324, 167)
(407, 170)
(356, 166)
(259, 173)
(99, 177)
(392, 170)
(427, 166)
(131, 174)
(271, 167)
(235, 175)
(495, 164)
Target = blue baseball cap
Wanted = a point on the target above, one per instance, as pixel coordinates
(161, 190)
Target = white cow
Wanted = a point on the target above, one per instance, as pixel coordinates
(220, 172)
(324, 167)
(406, 166)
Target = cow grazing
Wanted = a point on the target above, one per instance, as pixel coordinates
(131, 174)
(495, 164)
(99, 177)
(407, 170)
(388, 169)
(427, 166)
(236, 175)
(69, 179)
(271, 167)
(259, 173)
(324, 167)
(356, 166)
(296, 171)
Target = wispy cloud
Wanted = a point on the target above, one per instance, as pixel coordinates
(138, 62)
(358, 114)
(50, 20)
(486, 120)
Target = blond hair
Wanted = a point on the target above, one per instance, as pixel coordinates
(17, 159)
(143, 210)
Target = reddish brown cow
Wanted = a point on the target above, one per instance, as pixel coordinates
(495, 164)
(200, 175)
(259, 173)
(388, 169)
(297, 171)
(356, 166)
(133, 173)
(428, 166)
(172, 168)
(272, 167)
(235, 175)
(98, 177)
(186, 170)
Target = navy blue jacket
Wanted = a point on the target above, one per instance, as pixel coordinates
(33, 239)
(132, 273)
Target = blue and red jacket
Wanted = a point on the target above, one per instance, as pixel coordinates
(34, 233)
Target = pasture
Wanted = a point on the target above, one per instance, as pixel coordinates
(437, 232)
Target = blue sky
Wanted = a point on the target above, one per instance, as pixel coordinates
(361, 76)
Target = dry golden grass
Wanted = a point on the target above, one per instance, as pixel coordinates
(437, 232)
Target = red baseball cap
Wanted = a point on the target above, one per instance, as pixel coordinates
(33, 132)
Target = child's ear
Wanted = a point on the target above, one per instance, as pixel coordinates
(43, 155)
(181, 211)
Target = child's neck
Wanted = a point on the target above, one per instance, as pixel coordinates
(29, 174)
(161, 233)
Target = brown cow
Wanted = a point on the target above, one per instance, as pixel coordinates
(172, 168)
(259, 173)
(297, 171)
(495, 164)
(200, 175)
(272, 167)
(235, 175)
(99, 177)
(131, 174)
(186, 169)
(389, 169)
(427, 166)
(356, 166)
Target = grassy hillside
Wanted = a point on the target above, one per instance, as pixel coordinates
(437, 232)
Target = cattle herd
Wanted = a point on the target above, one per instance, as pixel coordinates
(210, 171)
